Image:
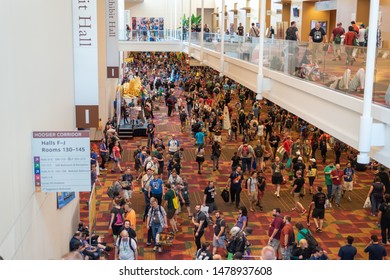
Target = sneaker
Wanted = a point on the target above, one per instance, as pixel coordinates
(338, 205)
(304, 211)
(318, 230)
(155, 248)
(349, 198)
(148, 243)
(294, 209)
(159, 249)
(308, 224)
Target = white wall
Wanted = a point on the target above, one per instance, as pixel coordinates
(346, 11)
(36, 90)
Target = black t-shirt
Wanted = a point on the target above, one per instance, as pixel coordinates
(274, 141)
(200, 216)
(291, 33)
(150, 127)
(236, 160)
(210, 194)
(218, 224)
(317, 35)
(204, 255)
(385, 208)
(261, 181)
(299, 182)
(319, 200)
(299, 166)
(240, 30)
(236, 179)
(132, 233)
(375, 252)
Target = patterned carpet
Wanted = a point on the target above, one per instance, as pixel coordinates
(349, 219)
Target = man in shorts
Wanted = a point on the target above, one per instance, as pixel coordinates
(219, 232)
(349, 175)
(274, 232)
(319, 209)
(171, 211)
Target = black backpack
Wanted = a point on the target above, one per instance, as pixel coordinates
(131, 247)
(386, 212)
(311, 241)
(259, 151)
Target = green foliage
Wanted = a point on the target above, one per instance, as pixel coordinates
(195, 20)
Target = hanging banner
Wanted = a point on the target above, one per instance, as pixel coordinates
(85, 52)
(85, 63)
(112, 52)
(61, 161)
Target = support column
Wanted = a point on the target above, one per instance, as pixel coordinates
(366, 118)
(189, 30)
(202, 33)
(222, 34)
(260, 76)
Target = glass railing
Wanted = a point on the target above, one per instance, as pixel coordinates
(150, 35)
(338, 67)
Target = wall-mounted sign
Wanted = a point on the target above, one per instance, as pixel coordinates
(61, 161)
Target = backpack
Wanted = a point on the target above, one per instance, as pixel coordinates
(245, 151)
(311, 241)
(259, 151)
(130, 239)
(112, 189)
(337, 39)
(118, 219)
(386, 212)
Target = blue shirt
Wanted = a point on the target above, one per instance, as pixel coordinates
(348, 174)
(199, 137)
(156, 186)
(347, 252)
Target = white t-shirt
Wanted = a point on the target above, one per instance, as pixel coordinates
(125, 251)
(361, 35)
(260, 130)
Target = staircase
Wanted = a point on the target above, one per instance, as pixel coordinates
(125, 133)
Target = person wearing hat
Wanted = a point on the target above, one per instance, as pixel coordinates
(299, 166)
(336, 40)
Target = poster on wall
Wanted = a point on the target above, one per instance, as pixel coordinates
(61, 161)
(323, 24)
(63, 198)
(147, 23)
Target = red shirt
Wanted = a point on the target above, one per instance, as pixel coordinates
(338, 31)
(287, 230)
(349, 38)
(339, 173)
(277, 223)
(116, 151)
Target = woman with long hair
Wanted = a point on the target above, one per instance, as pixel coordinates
(242, 219)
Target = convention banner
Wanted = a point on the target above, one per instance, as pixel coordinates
(112, 49)
(85, 52)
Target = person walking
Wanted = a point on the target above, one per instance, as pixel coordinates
(157, 221)
(234, 183)
(317, 37)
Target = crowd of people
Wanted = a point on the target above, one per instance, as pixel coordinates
(276, 148)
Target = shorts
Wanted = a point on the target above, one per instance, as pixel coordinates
(275, 244)
(212, 207)
(297, 195)
(127, 194)
(220, 242)
(277, 180)
(171, 213)
(186, 202)
(348, 186)
(253, 196)
(318, 213)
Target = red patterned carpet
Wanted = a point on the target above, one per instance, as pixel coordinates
(349, 219)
